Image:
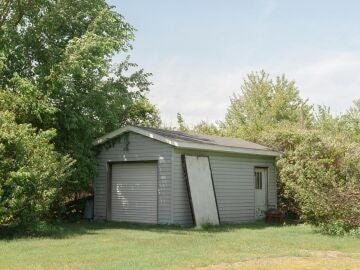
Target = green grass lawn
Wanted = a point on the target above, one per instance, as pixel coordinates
(103, 245)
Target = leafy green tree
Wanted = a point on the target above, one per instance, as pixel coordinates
(264, 103)
(350, 121)
(325, 121)
(57, 71)
(181, 123)
(27, 103)
(206, 128)
(321, 174)
(32, 173)
(319, 166)
(347, 124)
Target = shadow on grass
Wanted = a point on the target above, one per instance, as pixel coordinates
(66, 229)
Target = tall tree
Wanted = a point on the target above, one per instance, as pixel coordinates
(263, 103)
(181, 123)
(318, 168)
(56, 71)
(32, 173)
(351, 120)
(347, 124)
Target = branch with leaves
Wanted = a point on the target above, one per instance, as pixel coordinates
(13, 11)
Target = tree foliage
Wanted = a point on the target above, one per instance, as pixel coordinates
(32, 173)
(319, 166)
(263, 103)
(57, 72)
(207, 128)
(181, 123)
(319, 174)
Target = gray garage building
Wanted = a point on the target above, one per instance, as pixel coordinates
(140, 176)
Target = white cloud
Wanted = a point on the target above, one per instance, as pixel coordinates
(201, 93)
(196, 93)
(332, 80)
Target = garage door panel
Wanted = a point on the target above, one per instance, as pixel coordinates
(130, 214)
(130, 185)
(128, 195)
(140, 205)
(122, 189)
(134, 192)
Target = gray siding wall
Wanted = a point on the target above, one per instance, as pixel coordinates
(234, 186)
(233, 179)
(180, 199)
(139, 148)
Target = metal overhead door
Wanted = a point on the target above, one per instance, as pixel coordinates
(134, 192)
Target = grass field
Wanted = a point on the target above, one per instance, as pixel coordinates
(97, 245)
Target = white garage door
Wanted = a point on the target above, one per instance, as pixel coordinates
(134, 192)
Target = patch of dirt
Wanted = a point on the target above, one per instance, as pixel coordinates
(327, 254)
(223, 266)
(317, 259)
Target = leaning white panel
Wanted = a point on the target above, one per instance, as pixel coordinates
(201, 190)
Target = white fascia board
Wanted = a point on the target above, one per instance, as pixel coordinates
(146, 133)
(219, 148)
(185, 145)
(109, 136)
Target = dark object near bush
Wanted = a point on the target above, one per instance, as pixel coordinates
(274, 215)
(74, 210)
(89, 208)
(291, 216)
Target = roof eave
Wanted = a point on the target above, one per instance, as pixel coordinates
(137, 130)
(227, 149)
(184, 145)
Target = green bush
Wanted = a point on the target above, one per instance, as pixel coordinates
(334, 228)
(321, 175)
(319, 169)
(32, 173)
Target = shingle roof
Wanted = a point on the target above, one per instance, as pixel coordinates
(193, 141)
(205, 139)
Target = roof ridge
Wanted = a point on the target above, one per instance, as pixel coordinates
(189, 140)
(198, 134)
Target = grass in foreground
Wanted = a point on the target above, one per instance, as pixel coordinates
(98, 245)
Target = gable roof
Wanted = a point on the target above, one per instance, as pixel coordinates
(193, 141)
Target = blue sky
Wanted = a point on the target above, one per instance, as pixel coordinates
(199, 51)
